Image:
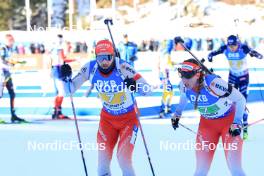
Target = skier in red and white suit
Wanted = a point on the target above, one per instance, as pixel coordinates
(221, 107)
(116, 81)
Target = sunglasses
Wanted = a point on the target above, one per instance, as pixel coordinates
(188, 74)
(101, 58)
(232, 44)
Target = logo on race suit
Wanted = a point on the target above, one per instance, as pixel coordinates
(242, 79)
(134, 135)
(84, 69)
(127, 68)
(220, 87)
(130, 70)
(103, 83)
(109, 86)
(201, 98)
(233, 55)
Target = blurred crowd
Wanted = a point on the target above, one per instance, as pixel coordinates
(198, 44)
(41, 48)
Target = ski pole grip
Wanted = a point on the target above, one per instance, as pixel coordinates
(108, 21)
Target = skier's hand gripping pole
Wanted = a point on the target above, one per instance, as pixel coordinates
(66, 73)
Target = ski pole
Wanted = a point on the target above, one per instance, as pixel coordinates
(144, 140)
(107, 22)
(199, 135)
(77, 129)
(253, 123)
(189, 129)
(192, 131)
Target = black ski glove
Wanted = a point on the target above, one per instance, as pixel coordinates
(65, 71)
(235, 130)
(175, 122)
(131, 84)
(210, 58)
(254, 53)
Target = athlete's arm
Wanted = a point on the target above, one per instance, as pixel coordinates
(214, 53)
(142, 87)
(183, 100)
(251, 52)
(223, 89)
(77, 81)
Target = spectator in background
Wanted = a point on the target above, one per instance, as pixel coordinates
(188, 43)
(21, 49)
(37, 50)
(32, 48)
(41, 48)
(199, 44)
(84, 47)
(128, 50)
(77, 47)
(153, 45)
(143, 46)
(210, 44)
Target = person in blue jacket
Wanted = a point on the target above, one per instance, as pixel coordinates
(128, 50)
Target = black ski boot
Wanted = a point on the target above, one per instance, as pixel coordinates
(57, 114)
(16, 119)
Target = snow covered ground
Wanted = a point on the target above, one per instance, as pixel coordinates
(34, 149)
